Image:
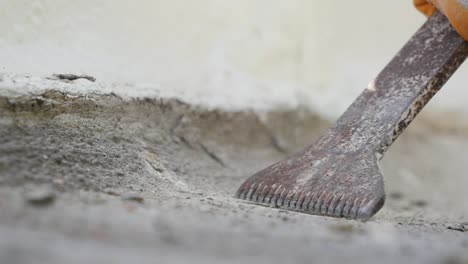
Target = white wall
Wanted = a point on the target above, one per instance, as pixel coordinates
(256, 52)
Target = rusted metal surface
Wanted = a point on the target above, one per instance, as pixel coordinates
(339, 174)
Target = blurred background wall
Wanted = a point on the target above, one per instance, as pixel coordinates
(320, 54)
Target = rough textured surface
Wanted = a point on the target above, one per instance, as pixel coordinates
(152, 180)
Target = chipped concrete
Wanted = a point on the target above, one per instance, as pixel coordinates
(184, 162)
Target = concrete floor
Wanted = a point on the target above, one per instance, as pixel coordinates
(97, 178)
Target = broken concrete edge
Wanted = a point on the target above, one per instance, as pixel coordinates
(285, 128)
(15, 85)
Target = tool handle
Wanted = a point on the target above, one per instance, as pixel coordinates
(402, 89)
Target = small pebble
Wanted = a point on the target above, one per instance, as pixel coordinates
(73, 77)
(111, 191)
(40, 196)
(132, 196)
(459, 227)
(158, 169)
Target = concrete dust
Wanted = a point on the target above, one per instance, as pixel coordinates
(152, 180)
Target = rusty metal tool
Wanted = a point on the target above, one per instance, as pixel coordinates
(339, 175)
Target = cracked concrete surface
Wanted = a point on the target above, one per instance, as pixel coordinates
(152, 180)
